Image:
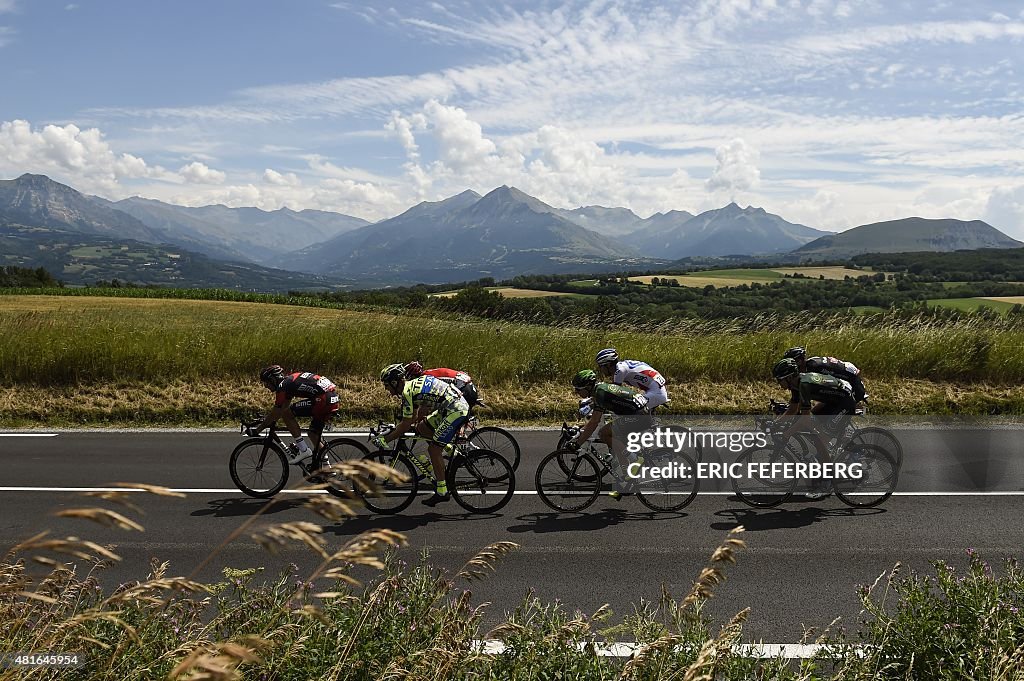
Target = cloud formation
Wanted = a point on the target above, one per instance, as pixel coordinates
(736, 170)
(200, 173)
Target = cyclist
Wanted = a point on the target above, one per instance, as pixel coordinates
(607, 398)
(436, 408)
(830, 366)
(635, 374)
(834, 398)
(317, 398)
(460, 379)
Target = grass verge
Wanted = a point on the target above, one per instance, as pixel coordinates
(221, 402)
(93, 360)
(420, 623)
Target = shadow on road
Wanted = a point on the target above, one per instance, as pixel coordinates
(584, 522)
(228, 508)
(400, 523)
(754, 520)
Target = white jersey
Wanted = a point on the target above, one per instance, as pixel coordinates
(644, 378)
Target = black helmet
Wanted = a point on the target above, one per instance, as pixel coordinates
(392, 373)
(785, 368)
(584, 379)
(272, 374)
(795, 353)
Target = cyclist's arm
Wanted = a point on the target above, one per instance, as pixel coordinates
(588, 429)
(410, 413)
(403, 427)
(285, 414)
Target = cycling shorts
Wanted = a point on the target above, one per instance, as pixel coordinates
(838, 411)
(321, 408)
(656, 398)
(448, 421)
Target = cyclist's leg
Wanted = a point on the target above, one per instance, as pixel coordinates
(300, 408)
(426, 430)
(323, 410)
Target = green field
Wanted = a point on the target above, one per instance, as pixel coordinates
(972, 304)
(149, 361)
(509, 292)
(740, 276)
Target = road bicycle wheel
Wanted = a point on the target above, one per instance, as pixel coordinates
(666, 495)
(258, 468)
(879, 437)
(764, 487)
(387, 494)
(481, 481)
(497, 440)
(878, 479)
(334, 452)
(568, 480)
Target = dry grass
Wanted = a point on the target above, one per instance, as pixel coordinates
(141, 404)
(116, 361)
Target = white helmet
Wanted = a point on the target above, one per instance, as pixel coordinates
(607, 356)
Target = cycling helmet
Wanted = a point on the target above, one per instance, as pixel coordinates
(273, 372)
(584, 379)
(413, 370)
(607, 356)
(392, 373)
(785, 368)
(795, 353)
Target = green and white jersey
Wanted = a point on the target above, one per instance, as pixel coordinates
(617, 399)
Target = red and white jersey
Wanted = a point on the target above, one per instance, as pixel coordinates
(457, 378)
(644, 378)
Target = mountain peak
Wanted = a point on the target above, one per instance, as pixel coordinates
(35, 181)
(505, 195)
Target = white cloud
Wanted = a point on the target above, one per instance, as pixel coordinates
(71, 154)
(461, 144)
(200, 173)
(273, 177)
(8, 6)
(6, 35)
(736, 170)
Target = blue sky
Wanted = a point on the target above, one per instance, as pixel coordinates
(832, 113)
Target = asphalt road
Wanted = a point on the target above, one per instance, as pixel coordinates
(958, 489)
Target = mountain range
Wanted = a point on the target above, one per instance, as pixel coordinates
(906, 235)
(501, 234)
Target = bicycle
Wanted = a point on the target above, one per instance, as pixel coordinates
(570, 480)
(569, 433)
(880, 472)
(492, 438)
(479, 480)
(259, 466)
(870, 435)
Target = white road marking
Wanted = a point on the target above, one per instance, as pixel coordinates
(518, 492)
(763, 651)
(28, 434)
